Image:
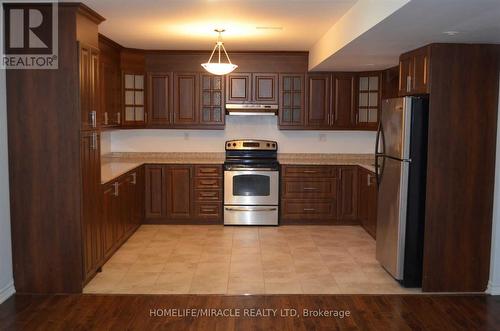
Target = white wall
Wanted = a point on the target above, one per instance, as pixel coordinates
(258, 127)
(494, 283)
(6, 280)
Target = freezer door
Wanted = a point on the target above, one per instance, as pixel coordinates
(391, 216)
(394, 124)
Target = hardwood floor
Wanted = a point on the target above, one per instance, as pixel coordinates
(132, 312)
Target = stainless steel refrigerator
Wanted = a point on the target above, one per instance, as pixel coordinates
(401, 163)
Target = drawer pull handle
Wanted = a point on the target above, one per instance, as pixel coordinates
(250, 209)
(208, 194)
(310, 171)
(205, 171)
(311, 188)
(309, 209)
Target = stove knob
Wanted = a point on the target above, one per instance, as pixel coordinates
(274, 145)
(234, 144)
(268, 144)
(228, 144)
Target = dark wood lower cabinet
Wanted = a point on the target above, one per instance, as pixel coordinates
(183, 194)
(367, 201)
(348, 189)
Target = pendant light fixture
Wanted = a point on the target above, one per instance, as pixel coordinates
(219, 68)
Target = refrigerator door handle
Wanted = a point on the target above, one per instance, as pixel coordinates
(377, 138)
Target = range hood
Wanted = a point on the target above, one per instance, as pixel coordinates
(251, 109)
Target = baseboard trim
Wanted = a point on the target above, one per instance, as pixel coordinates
(7, 291)
(493, 289)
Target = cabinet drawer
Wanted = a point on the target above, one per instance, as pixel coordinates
(208, 210)
(309, 210)
(309, 171)
(208, 183)
(299, 188)
(208, 195)
(208, 171)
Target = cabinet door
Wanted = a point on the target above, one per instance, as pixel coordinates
(179, 192)
(347, 208)
(134, 99)
(186, 99)
(212, 100)
(292, 101)
(85, 102)
(238, 88)
(265, 88)
(372, 204)
(109, 216)
(160, 98)
(318, 106)
(420, 71)
(110, 95)
(405, 69)
(368, 100)
(363, 197)
(91, 201)
(156, 194)
(343, 101)
(138, 197)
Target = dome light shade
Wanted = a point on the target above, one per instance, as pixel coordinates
(219, 68)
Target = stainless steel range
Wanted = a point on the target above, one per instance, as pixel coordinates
(251, 183)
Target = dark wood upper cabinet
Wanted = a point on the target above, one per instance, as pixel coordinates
(343, 103)
(239, 88)
(265, 88)
(318, 101)
(160, 101)
(134, 99)
(390, 83)
(186, 95)
(212, 105)
(292, 101)
(347, 202)
(89, 86)
(367, 100)
(110, 83)
(414, 72)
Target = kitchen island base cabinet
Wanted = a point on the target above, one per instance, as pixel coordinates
(183, 194)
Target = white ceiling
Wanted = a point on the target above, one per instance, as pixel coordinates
(189, 24)
(418, 23)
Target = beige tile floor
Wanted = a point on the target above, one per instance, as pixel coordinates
(169, 259)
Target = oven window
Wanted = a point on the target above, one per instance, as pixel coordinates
(251, 185)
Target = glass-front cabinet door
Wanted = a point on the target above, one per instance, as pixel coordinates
(369, 94)
(134, 99)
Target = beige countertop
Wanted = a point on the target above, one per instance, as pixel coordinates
(117, 164)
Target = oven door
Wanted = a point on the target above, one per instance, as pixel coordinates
(251, 187)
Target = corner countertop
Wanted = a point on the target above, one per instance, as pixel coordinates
(116, 164)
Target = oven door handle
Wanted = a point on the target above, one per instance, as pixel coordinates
(251, 169)
(250, 209)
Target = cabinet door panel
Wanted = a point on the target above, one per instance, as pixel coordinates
(212, 104)
(185, 99)
(405, 64)
(347, 193)
(343, 101)
(85, 103)
(420, 71)
(160, 98)
(265, 88)
(309, 210)
(301, 188)
(180, 192)
(238, 87)
(318, 110)
(155, 196)
(292, 100)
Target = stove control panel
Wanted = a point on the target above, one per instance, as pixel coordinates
(246, 145)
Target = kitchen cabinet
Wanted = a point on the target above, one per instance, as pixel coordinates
(89, 86)
(259, 88)
(110, 83)
(212, 106)
(292, 101)
(183, 194)
(414, 72)
(348, 189)
(309, 194)
(367, 201)
(318, 101)
(123, 210)
(343, 91)
(369, 98)
(186, 97)
(390, 83)
(91, 203)
(134, 98)
(160, 98)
